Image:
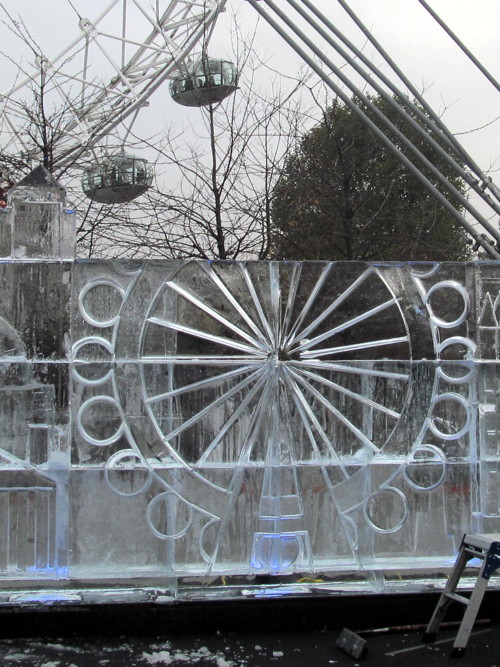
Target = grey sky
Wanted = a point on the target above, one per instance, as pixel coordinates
(421, 48)
(428, 56)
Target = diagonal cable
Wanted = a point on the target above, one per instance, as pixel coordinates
(480, 240)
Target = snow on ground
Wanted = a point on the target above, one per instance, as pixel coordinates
(191, 657)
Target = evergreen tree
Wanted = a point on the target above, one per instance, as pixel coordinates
(343, 195)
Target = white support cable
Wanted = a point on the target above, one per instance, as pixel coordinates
(406, 142)
(489, 248)
(156, 26)
(81, 125)
(73, 8)
(11, 125)
(130, 126)
(133, 42)
(468, 160)
(143, 45)
(71, 45)
(90, 29)
(85, 70)
(429, 120)
(124, 32)
(461, 45)
(146, 47)
(487, 182)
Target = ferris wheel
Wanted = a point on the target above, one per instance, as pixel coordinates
(97, 84)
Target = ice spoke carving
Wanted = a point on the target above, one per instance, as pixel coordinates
(235, 303)
(308, 305)
(275, 289)
(354, 429)
(294, 283)
(344, 368)
(214, 404)
(233, 492)
(200, 384)
(257, 303)
(240, 410)
(189, 360)
(213, 313)
(221, 340)
(333, 306)
(308, 417)
(258, 416)
(351, 394)
(346, 325)
(354, 347)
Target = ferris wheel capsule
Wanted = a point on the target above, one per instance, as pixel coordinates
(117, 180)
(101, 81)
(209, 82)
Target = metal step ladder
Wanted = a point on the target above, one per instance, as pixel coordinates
(487, 548)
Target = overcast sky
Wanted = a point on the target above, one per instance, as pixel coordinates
(421, 48)
(428, 56)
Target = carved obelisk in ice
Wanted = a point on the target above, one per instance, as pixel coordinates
(36, 223)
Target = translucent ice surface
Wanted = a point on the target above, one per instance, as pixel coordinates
(172, 421)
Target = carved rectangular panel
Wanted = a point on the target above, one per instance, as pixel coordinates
(201, 419)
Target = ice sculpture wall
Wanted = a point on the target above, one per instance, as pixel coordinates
(166, 421)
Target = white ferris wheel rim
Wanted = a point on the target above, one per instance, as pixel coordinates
(100, 106)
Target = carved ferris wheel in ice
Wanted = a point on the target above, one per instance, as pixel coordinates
(278, 339)
(253, 378)
(280, 393)
(238, 418)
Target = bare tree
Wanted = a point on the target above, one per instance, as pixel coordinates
(42, 117)
(213, 193)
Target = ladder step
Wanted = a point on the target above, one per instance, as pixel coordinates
(457, 598)
(481, 541)
(475, 553)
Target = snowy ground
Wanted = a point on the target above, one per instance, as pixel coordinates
(297, 649)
